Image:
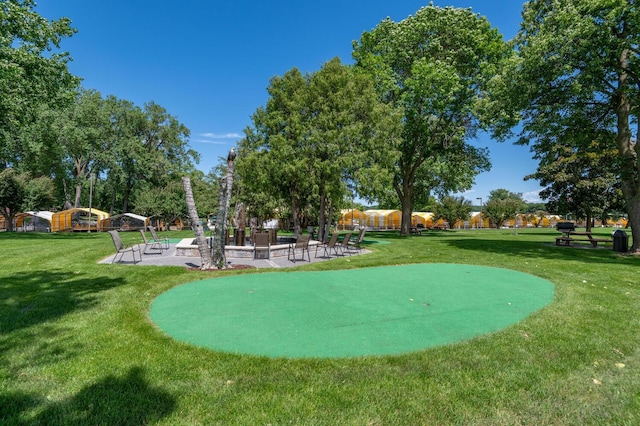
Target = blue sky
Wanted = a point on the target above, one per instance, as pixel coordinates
(209, 62)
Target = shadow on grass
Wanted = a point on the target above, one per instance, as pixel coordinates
(127, 400)
(30, 298)
(529, 249)
(30, 303)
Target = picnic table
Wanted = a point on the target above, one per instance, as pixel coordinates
(568, 236)
(417, 230)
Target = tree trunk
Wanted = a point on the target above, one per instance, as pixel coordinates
(404, 189)
(406, 200)
(629, 176)
(201, 240)
(633, 211)
(8, 218)
(327, 225)
(226, 185)
(125, 198)
(220, 238)
(405, 227)
(81, 172)
(76, 202)
(322, 218)
(296, 219)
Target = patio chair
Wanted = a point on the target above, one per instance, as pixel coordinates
(331, 245)
(344, 244)
(155, 245)
(357, 244)
(301, 244)
(261, 243)
(121, 249)
(164, 242)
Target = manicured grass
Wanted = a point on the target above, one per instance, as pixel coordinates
(77, 347)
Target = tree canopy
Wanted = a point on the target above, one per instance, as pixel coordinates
(32, 73)
(308, 142)
(453, 209)
(577, 67)
(583, 179)
(433, 67)
(502, 205)
(58, 133)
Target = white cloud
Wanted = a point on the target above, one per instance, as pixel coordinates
(221, 135)
(532, 196)
(217, 138)
(210, 141)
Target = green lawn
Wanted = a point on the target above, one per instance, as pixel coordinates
(76, 345)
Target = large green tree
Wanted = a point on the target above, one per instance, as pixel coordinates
(84, 132)
(273, 157)
(434, 68)
(32, 72)
(453, 209)
(11, 196)
(502, 205)
(127, 148)
(581, 178)
(152, 149)
(580, 61)
(307, 144)
(163, 204)
(20, 192)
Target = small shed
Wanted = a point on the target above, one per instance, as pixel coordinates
(124, 222)
(77, 219)
(383, 219)
(351, 219)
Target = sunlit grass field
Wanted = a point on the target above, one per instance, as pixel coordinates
(77, 347)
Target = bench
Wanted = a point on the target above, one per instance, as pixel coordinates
(594, 241)
(563, 241)
(417, 230)
(566, 239)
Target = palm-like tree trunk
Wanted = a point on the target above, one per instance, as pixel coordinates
(201, 240)
(226, 184)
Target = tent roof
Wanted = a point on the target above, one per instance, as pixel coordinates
(346, 211)
(131, 215)
(99, 213)
(381, 212)
(47, 215)
(424, 215)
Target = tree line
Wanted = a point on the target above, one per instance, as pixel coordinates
(58, 138)
(396, 126)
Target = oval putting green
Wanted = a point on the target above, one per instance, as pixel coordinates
(348, 313)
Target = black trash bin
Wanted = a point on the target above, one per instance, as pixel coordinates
(620, 241)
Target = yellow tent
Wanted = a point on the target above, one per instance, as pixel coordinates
(383, 219)
(422, 218)
(551, 221)
(351, 218)
(77, 219)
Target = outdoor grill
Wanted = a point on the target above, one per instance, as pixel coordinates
(565, 226)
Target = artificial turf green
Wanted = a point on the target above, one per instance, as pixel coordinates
(349, 313)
